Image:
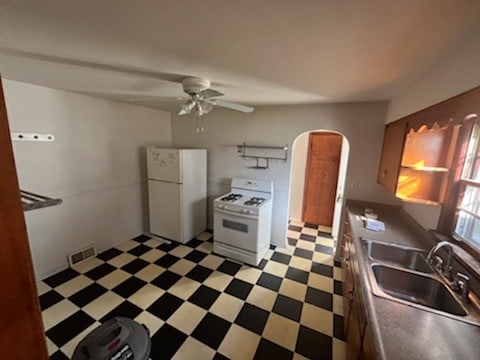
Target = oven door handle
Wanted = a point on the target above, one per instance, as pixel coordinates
(254, 217)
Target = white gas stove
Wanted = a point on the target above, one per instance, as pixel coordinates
(242, 220)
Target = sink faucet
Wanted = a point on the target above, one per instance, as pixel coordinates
(431, 257)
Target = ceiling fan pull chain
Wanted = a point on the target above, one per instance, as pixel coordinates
(202, 123)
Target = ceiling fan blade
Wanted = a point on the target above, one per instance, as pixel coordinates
(233, 106)
(92, 65)
(209, 93)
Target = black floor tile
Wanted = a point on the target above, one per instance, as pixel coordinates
(297, 275)
(338, 263)
(88, 294)
(204, 297)
(125, 309)
(269, 350)
(199, 273)
(324, 234)
(288, 307)
(66, 330)
(252, 318)
(322, 269)
(166, 341)
(139, 250)
(295, 228)
(168, 247)
(194, 243)
(166, 279)
(313, 344)
(109, 254)
(324, 249)
(306, 254)
(165, 306)
(338, 329)
(61, 277)
(59, 356)
(262, 264)
(272, 247)
(219, 356)
(310, 225)
(100, 271)
(50, 298)
(292, 241)
(307, 237)
(281, 258)
(195, 256)
(211, 330)
(229, 267)
(167, 260)
(319, 298)
(129, 287)
(269, 281)
(337, 287)
(135, 266)
(239, 288)
(141, 238)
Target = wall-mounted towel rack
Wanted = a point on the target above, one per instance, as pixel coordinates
(31, 201)
(20, 136)
(263, 154)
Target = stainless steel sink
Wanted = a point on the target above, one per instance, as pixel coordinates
(402, 274)
(417, 289)
(405, 257)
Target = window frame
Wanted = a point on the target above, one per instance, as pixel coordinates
(463, 109)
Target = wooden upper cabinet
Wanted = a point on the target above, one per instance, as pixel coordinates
(419, 150)
(426, 161)
(393, 142)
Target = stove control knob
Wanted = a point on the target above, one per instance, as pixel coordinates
(245, 211)
(220, 206)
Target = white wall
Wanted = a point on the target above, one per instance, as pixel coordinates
(361, 123)
(297, 182)
(456, 73)
(95, 165)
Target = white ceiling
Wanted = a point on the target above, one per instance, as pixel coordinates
(256, 52)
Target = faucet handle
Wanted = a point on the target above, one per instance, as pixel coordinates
(437, 261)
(460, 283)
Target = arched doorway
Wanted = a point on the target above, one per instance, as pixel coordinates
(301, 162)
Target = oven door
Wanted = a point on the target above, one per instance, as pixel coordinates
(235, 229)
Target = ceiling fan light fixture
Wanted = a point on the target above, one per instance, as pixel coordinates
(207, 106)
(187, 107)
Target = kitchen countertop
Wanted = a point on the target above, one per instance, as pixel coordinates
(401, 331)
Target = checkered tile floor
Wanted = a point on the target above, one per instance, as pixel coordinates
(198, 305)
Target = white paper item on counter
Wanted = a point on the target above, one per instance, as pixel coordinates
(375, 225)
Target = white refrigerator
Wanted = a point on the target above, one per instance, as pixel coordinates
(177, 192)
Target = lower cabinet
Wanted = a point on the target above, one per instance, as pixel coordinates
(357, 331)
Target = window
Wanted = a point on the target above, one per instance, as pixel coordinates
(467, 214)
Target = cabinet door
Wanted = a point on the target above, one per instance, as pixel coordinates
(367, 347)
(354, 331)
(393, 142)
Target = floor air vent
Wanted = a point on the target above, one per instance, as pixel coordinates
(81, 255)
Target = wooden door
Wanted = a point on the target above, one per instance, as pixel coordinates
(21, 328)
(323, 161)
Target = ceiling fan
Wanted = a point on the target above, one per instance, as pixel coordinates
(202, 99)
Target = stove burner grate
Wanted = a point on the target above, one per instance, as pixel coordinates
(231, 197)
(254, 201)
